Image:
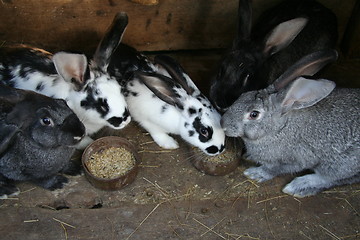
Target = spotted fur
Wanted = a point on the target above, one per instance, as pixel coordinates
(178, 106)
(88, 89)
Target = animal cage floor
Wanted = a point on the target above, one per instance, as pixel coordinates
(170, 199)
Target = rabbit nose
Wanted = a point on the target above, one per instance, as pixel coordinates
(73, 125)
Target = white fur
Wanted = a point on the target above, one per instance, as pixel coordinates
(146, 109)
(55, 86)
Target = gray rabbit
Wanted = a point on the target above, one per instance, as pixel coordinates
(37, 138)
(307, 124)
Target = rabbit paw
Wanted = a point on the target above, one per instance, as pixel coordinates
(8, 190)
(84, 143)
(307, 185)
(165, 141)
(52, 183)
(73, 168)
(259, 174)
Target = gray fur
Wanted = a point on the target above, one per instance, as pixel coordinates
(306, 125)
(37, 138)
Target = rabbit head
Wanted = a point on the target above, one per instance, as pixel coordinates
(46, 122)
(260, 113)
(99, 96)
(38, 135)
(240, 67)
(198, 122)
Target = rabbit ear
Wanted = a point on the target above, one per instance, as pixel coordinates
(110, 41)
(305, 93)
(7, 134)
(10, 95)
(176, 72)
(71, 67)
(306, 66)
(244, 23)
(283, 34)
(163, 87)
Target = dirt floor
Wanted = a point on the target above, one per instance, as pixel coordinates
(170, 199)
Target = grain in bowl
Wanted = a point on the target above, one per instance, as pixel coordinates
(110, 163)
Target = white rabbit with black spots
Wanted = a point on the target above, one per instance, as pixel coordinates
(88, 89)
(308, 124)
(166, 101)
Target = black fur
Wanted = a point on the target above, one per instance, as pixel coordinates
(246, 67)
(116, 121)
(205, 133)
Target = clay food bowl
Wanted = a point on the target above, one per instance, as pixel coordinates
(218, 165)
(110, 163)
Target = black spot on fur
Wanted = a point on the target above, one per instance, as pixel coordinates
(179, 106)
(163, 108)
(116, 121)
(100, 104)
(40, 87)
(205, 133)
(135, 94)
(212, 149)
(29, 60)
(192, 111)
(191, 133)
(186, 125)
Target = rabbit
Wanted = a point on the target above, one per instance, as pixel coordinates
(37, 139)
(162, 98)
(260, 54)
(88, 89)
(165, 101)
(298, 123)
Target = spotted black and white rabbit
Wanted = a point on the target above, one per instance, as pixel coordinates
(37, 138)
(166, 101)
(306, 124)
(88, 89)
(260, 54)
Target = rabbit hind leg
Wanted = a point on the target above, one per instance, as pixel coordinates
(307, 185)
(7, 188)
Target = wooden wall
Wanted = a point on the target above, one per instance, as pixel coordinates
(167, 25)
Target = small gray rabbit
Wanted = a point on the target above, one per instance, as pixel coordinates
(37, 138)
(307, 124)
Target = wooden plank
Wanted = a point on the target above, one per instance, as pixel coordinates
(350, 43)
(169, 25)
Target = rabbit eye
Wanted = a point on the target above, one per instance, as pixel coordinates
(47, 121)
(254, 115)
(204, 132)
